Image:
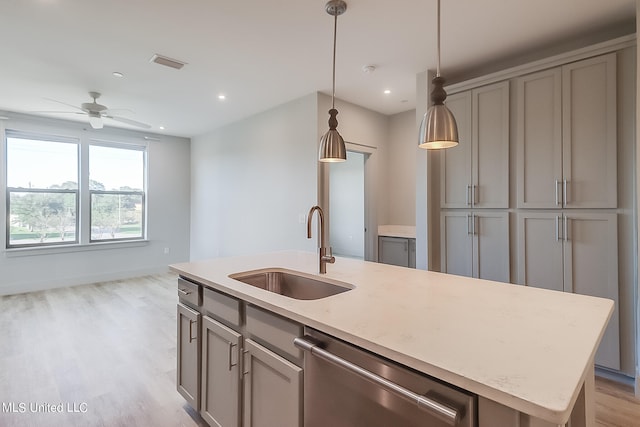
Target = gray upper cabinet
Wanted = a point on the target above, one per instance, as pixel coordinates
(539, 139)
(566, 136)
(455, 169)
(476, 172)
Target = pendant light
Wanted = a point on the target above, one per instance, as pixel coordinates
(332, 148)
(438, 128)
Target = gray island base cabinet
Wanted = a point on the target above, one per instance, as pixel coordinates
(232, 370)
(250, 373)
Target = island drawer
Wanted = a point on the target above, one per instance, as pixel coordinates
(275, 332)
(189, 293)
(223, 308)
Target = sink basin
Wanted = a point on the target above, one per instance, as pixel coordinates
(291, 284)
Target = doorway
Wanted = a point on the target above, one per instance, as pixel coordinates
(347, 202)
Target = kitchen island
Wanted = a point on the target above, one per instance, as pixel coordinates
(528, 349)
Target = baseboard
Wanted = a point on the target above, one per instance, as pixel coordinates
(63, 282)
(616, 376)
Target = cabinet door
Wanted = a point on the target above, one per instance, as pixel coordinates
(589, 133)
(490, 146)
(539, 139)
(540, 250)
(188, 369)
(455, 162)
(220, 374)
(591, 268)
(394, 250)
(412, 253)
(491, 246)
(456, 243)
(272, 389)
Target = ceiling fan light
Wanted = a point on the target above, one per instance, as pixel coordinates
(438, 129)
(95, 120)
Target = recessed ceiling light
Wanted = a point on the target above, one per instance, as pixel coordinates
(118, 74)
(222, 97)
(387, 92)
(161, 127)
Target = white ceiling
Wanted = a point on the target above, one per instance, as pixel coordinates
(262, 53)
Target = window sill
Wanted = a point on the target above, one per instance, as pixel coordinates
(54, 250)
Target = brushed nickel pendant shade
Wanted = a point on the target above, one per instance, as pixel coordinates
(332, 148)
(438, 128)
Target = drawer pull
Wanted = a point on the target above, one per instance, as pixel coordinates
(184, 292)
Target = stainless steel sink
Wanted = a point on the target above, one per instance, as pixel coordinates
(291, 284)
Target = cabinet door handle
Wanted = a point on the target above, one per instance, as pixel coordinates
(468, 195)
(565, 195)
(474, 195)
(191, 337)
(476, 224)
(231, 364)
(469, 231)
(557, 192)
(246, 369)
(566, 229)
(557, 228)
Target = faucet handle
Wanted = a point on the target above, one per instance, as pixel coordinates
(327, 255)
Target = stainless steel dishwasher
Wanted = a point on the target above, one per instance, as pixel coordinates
(346, 386)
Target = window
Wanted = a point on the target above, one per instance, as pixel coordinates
(116, 185)
(42, 191)
(63, 191)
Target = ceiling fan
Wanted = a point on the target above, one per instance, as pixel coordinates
(96, 112)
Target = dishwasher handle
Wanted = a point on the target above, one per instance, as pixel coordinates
(440, 410)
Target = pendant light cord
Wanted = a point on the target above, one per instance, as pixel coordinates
(335, 32)
(438, 29)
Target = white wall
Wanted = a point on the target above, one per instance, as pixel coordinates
(167, 222)
(251, 181)
(403, 148)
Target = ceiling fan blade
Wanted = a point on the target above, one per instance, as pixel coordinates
(59, 112)
(115, 111)
(129, 121)
(64, 103)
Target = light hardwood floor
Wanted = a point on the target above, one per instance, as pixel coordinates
(108, 351)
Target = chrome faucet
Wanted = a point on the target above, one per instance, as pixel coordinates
(325, 252)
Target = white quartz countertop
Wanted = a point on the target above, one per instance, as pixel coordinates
(407, 231)
(526, 348)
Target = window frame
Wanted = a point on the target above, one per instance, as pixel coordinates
(17, 134)
(83, 139)
(143, 193)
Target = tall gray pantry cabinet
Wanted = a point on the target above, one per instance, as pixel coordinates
(566, 184)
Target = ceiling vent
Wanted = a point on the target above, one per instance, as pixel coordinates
(167, 62)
